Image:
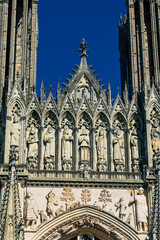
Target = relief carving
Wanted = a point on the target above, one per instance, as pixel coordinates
(120, 205)
(86, 196)
(105, 197)
(141, 210)
(51, 203)
(68, 197)
(118, 145)
(31, 211)
(43, 217)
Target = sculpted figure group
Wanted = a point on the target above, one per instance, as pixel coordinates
(140, 214)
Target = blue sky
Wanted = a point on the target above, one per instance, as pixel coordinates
(63, 24)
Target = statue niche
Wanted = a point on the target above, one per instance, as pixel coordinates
(49, 143)
(101, 145)
(84, 143)
(15, 132)
(135, 143)
(155, 131)
(32, 143)
(118, 145)
(67, 143)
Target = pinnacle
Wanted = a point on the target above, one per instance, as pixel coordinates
(83, 49)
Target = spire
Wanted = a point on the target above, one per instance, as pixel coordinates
(58, 91)
(109, 94)
(83, 49)
(125, 95)
(43, 92)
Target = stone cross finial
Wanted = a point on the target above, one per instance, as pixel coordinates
(50, 88)
(83, 48)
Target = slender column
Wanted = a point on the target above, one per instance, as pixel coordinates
(75, 149)
(3, 42)
(158, 14)
(93, 148)
(22, 141)
(12, 45)
(7, 139)
(25, 30)
(40, 164)
(154, 41)
(110, 140)
(133, 51)
(148, 143)
(128, 152)
(142, 42)
(34, 45)
(59, 164)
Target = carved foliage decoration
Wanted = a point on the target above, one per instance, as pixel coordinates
(86, 196)
(84, 141)
(32, 141)
(118, 144)
(105, 197)
(49, 141)
(67, 196)
(155, 131)
(101, 143)
(67, 142)
(15, 133)
(135, 144)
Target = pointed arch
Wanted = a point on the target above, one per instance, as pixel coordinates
(104, 116)
(15, 101)
(52, 114)
(65, 114)
(86, 219)
(89, 117)
(121, 116)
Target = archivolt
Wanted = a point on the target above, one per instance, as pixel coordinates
(88, 219)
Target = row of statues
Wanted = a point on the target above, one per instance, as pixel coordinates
(139, 216)
(85, 143)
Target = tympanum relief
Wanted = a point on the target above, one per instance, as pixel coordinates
(46, 206)
(118, 145)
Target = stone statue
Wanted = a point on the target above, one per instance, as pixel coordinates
(51, 203)
(15, 132)
(101, 143)
(67, 142)
(155, 135)
(122, 208)
(49, 153)
(141, 210)
(32, 147)
(118, 147)
(84, 147)
(31, 212)
(134, 149)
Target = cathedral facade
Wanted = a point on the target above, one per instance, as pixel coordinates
(81, 166)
